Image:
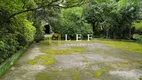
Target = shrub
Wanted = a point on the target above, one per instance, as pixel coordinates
(71, 23)
(39, 35)
(138, 37)
(14, 36)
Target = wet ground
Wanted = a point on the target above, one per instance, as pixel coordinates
(97, 62)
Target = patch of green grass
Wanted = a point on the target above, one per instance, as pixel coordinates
(42, 59)
(54, 74)
(76, 75)
(47, 76)
(42, 76)
(99, 72)
(64, 51)
(127, 46)
(138, 61)
(140, 78)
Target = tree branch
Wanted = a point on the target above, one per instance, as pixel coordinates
(49, 4)
(31, 9)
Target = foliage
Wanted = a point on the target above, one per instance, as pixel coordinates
(21, 21)
(71, 23)
(19, 18)
(112, 19)
(138, 26)
(9, 63)
(39, 32)
(15, 35)
(138, 37)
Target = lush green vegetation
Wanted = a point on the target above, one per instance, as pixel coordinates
(71, 23)
(124, 45)
(112, 19)
(22, 21)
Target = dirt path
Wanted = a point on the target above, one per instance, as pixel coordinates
(97, 62)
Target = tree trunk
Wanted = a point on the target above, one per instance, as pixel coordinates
(130, 34)
(107, 33)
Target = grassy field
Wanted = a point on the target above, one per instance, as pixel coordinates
(124, 45)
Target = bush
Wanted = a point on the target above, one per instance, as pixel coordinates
(71, 23)
(14, 36)
(39, 35)
(138, 38)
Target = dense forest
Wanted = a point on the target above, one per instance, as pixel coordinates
(22, 21)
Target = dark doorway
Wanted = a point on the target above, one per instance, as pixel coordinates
(47, 29)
